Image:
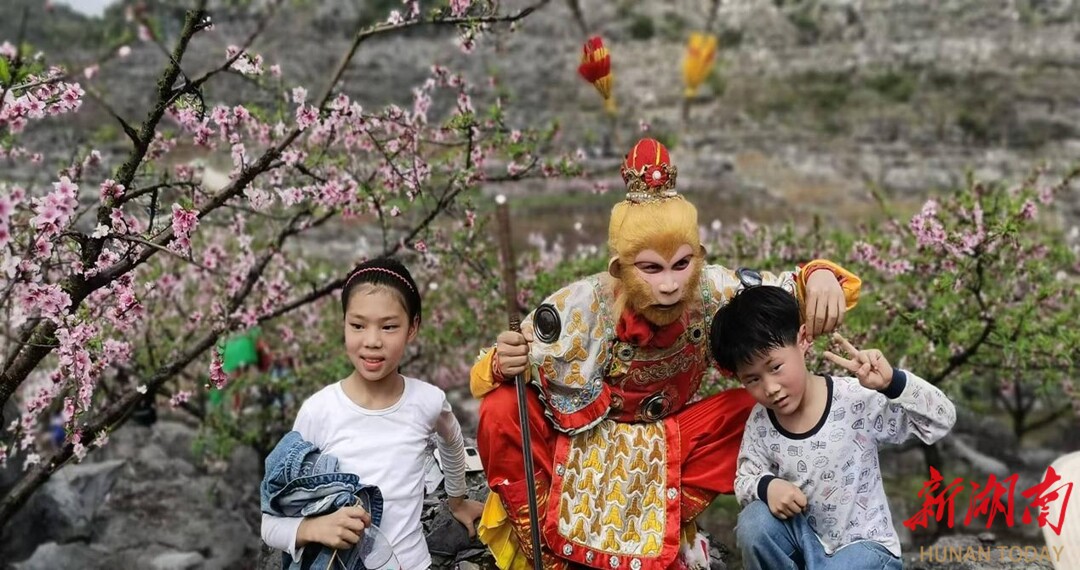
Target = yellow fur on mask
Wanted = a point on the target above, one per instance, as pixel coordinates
(663, 226)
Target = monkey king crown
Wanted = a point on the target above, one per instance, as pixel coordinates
(654, 215)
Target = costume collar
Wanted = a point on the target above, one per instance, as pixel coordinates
(636, 330)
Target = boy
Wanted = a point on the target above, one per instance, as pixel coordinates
(807, 474)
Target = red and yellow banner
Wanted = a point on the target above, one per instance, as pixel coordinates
(596, 69)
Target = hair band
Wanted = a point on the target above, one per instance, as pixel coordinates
(381, 270)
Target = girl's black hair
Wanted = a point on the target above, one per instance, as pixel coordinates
(757, 320)
(384, 272)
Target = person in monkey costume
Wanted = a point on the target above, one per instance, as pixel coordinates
(627, 451)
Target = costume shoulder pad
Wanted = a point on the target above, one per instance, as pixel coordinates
(570, 354)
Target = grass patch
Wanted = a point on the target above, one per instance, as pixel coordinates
(642, 27)
(895, 86)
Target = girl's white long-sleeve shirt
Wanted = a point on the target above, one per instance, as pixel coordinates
(386, 448)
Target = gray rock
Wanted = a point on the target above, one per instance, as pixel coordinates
(244, 465)
(164, 508)
(269, 559)
(176, 561)
(718, 554)
(987, 435)
(176, 439)
(916, 179)
(124, 443)
(1039, 458)
(447, 537)
(50, 556)
(982, 464)
(152, 454)
(62, 510)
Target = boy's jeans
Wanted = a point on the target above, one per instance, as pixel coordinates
(768, 543)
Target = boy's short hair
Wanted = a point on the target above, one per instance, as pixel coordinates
(757, 320)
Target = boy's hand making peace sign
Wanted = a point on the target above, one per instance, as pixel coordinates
(869, 366)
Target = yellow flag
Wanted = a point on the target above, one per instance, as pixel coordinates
(700, 54)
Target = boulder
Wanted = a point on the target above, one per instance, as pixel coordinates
(63, 510)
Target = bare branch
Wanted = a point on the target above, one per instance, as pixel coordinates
(129, 196)
(385, 28)
(140, 241)
(579, 16)
(1050, 418)
(247, 43)
(130, 131)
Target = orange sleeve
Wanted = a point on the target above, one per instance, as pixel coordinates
(849, 282)
(482, 378)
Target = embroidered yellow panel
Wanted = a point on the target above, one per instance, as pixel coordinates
(577, 323)
(612, 496)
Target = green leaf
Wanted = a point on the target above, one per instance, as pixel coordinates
(5, 72)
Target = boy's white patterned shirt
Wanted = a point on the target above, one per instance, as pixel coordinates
(835, 464)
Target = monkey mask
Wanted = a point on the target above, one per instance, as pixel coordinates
(653, 236)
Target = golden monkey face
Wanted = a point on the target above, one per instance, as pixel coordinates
(659, 288)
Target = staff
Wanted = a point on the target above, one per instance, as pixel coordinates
(502, 213)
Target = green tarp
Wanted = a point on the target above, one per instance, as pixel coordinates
(240, 351)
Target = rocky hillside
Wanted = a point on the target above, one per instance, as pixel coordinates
(813, 101)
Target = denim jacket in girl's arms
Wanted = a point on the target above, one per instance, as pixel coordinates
(301, 481)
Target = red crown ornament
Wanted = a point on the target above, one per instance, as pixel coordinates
(648, 172)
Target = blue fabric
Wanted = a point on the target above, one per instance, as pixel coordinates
(768, 543)
(301, 481)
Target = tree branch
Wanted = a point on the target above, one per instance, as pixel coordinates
(130, 131)
(142, 242)
(129, 196)
(76, 286)
(1048, 419)
(119, 409)
(247, 43)
(384, 28)
(79, 288)
(126, 173)
(989, 324)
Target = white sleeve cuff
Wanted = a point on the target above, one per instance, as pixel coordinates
(280, 533)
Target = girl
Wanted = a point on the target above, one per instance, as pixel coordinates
(377, 423)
